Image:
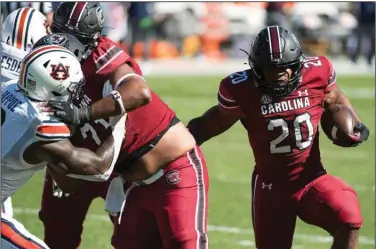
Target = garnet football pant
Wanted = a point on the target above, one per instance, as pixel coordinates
(171, 212)
(66, 215)
(326, 202)
(15, 236)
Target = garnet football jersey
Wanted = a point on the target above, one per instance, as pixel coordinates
(283, 132)
(104, 59)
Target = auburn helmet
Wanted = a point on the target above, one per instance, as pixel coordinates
(51, 72)
(84, 20)
(275, 47)
(24, 27)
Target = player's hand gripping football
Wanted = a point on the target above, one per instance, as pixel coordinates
(361, 133)
(68, 113)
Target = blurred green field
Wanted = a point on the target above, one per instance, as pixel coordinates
(230, 164)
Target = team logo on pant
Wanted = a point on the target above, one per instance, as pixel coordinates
(172, 177)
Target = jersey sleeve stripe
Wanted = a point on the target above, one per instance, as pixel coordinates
(333, 78)
(42, 137)
(226, 103)
(53, 130)
(226, 99)
(108, 62)
(227, 107)
(103, 59)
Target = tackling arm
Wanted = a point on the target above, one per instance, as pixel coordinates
(213, 122)
(132, 93)
(68, 159)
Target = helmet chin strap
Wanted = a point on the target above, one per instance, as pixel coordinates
(90, 47)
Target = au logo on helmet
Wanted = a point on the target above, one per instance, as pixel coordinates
(60, 72)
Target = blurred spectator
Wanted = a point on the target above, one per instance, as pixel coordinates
(141, 24)
(44, 7)
(116, 26)
(215, 30)
(278, 14)
(365, 14)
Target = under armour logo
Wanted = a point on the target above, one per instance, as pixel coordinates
(269, 186)
(303, 93)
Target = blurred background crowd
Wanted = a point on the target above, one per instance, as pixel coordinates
(216, 30)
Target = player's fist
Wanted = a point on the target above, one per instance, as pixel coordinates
(69, 113)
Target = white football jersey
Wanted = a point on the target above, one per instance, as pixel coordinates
(11, 59)
(22, 124)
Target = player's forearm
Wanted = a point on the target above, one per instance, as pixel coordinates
(342, 99)
(134, 94)
(209, 125)
(199, 132)
(85, 162)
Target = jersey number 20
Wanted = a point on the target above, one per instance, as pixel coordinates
(303, 118)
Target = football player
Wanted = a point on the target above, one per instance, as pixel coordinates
(158, 151)
(20, 30)
(280, 100)
(30, 138)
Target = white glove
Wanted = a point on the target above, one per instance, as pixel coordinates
(58, 192)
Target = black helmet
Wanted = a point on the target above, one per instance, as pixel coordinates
(65, 40)
(274, 47)
(84, 20)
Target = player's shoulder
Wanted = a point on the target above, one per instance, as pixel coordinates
(326, 62)
(106, 55)
(51, 129)
(317, 63)
(237, 79)
(8, 85)
(13, 100)
(105, 46)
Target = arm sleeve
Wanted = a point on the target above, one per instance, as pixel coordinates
(226, 100)
(332, 77)
(107, 57)
(52, 130)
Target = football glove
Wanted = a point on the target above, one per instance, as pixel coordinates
(361, 134)
(69, 113)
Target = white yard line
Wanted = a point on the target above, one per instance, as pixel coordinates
(317, 239)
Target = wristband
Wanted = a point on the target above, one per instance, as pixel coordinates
(117, 97)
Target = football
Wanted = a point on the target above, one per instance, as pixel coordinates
(338, 121)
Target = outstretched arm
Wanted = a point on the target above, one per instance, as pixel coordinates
(133, 92)
(73, 160)
(213, 122)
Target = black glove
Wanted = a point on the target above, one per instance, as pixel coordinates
(363, 132)
(69, 113)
